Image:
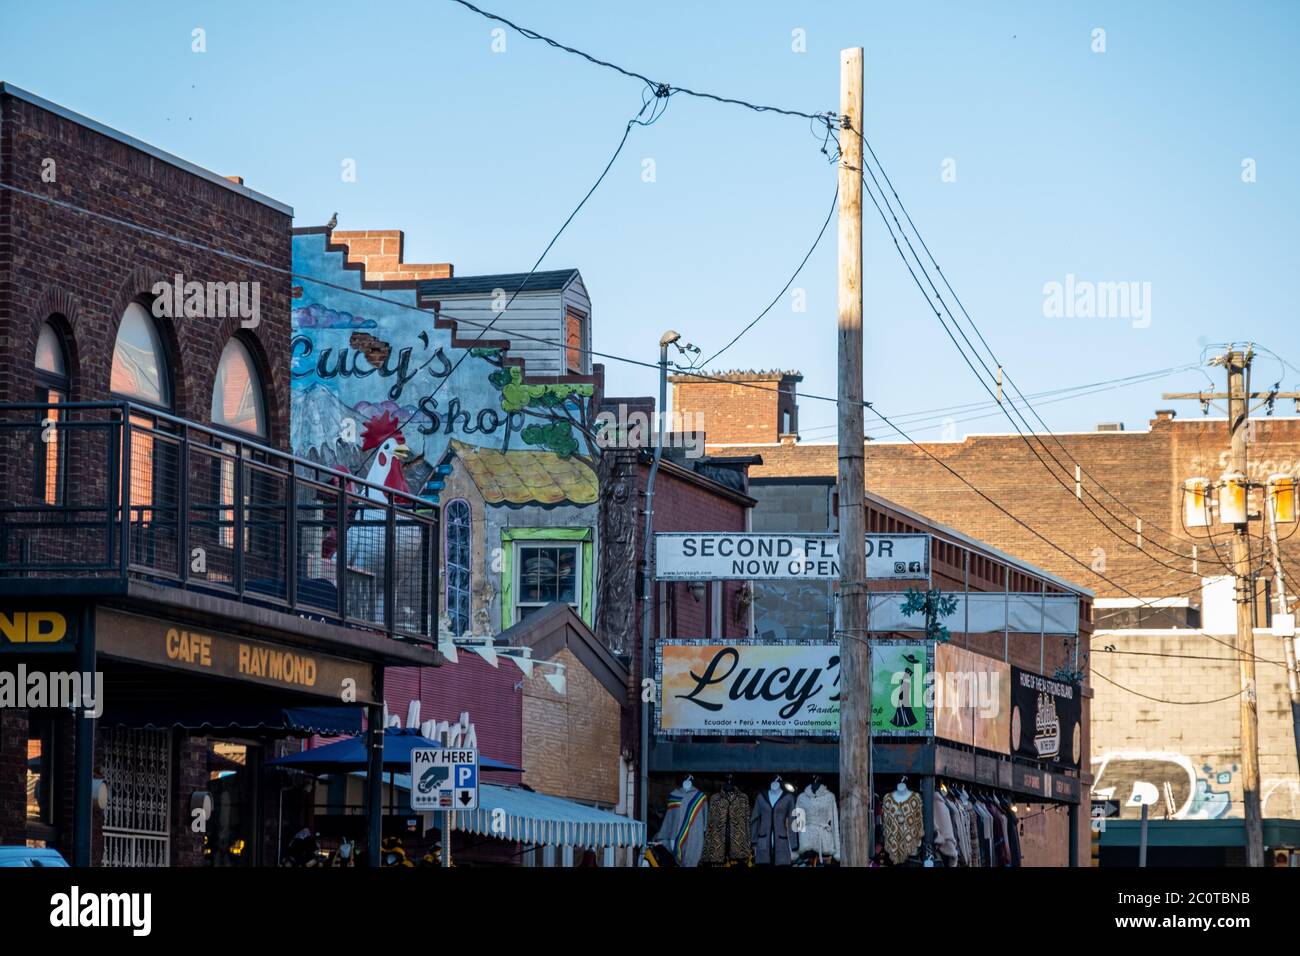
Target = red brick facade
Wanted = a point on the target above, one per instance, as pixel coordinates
(84, 271)
(738, 407)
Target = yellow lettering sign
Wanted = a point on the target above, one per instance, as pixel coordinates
(33, 627)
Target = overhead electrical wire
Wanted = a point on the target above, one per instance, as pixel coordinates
(992, 355)
(424, 312)
(632, 74)
(1162, 700)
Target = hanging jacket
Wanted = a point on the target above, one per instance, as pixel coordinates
(726, 836)
(684, 824)
(945, 839)
(821, 833)
(1013, 836)
(769, 830)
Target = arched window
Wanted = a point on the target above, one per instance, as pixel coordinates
(458, 550)
(237, 401)
(139, 360)
(52, 386)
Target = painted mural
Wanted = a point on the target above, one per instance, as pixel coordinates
(365, 372)
(1175, 786)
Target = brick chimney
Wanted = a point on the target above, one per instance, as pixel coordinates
(739, 407)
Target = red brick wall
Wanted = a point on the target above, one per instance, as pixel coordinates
(571, 740)
(57, 261)
(1143, 469)
(744, 407)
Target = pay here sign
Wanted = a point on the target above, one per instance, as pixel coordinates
(727, 555)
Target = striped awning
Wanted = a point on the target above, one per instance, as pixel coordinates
(542, 820)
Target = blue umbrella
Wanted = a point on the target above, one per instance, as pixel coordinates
(349, 755)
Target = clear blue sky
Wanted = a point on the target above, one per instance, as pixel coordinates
(1115, 166)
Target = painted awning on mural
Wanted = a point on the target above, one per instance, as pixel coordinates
(522, 476)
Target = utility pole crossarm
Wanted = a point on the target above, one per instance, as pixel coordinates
(1212, 396)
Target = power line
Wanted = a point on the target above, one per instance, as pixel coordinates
(993, 356)
(1034, 531)
(803, 262)
(984, 384)
(668, 88)
(364, 294)
(1052, 395)
(1161, 700)
(658, 96)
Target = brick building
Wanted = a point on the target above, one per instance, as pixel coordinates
(1159, 583)
(152, 517)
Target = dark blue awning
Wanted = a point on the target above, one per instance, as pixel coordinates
(349, 755)
(236, 716)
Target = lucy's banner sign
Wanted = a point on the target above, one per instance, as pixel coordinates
(741, 688)
(1045, 719)
(739, 555)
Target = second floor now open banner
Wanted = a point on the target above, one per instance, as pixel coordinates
(742, 555)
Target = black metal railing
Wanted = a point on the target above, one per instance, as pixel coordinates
(118, 490)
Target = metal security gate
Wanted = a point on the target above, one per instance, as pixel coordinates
(137, 823)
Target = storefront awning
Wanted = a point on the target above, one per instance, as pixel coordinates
(1193, 833)
(544, 820)
(234, 716)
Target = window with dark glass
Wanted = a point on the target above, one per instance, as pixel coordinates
(547, 573)
(457, 519)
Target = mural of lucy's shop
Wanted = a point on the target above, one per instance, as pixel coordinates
(382, 391)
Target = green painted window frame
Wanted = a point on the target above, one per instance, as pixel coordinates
(509, 536)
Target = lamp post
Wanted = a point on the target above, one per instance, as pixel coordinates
(647, 569)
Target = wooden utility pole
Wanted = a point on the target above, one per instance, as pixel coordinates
(1239, 397)
(1238, 419)
(855, 652)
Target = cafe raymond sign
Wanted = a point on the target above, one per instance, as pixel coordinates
(743, 688)
(740, 555)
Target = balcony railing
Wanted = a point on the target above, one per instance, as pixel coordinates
(116, 490)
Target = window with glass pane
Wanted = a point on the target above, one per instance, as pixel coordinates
(547, 573)
(52, 385)
(457, 520)
(139, 359)
(237, 392)
(40, 767)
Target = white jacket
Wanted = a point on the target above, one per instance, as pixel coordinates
(821, 820)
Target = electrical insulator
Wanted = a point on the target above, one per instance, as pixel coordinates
(1232, 498)
(1281, 492)
(1196, 502)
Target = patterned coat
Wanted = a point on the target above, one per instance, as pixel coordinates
(727, 835)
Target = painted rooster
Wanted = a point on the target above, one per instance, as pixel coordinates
(366, 530)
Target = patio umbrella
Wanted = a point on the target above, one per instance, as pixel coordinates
(350, 755)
